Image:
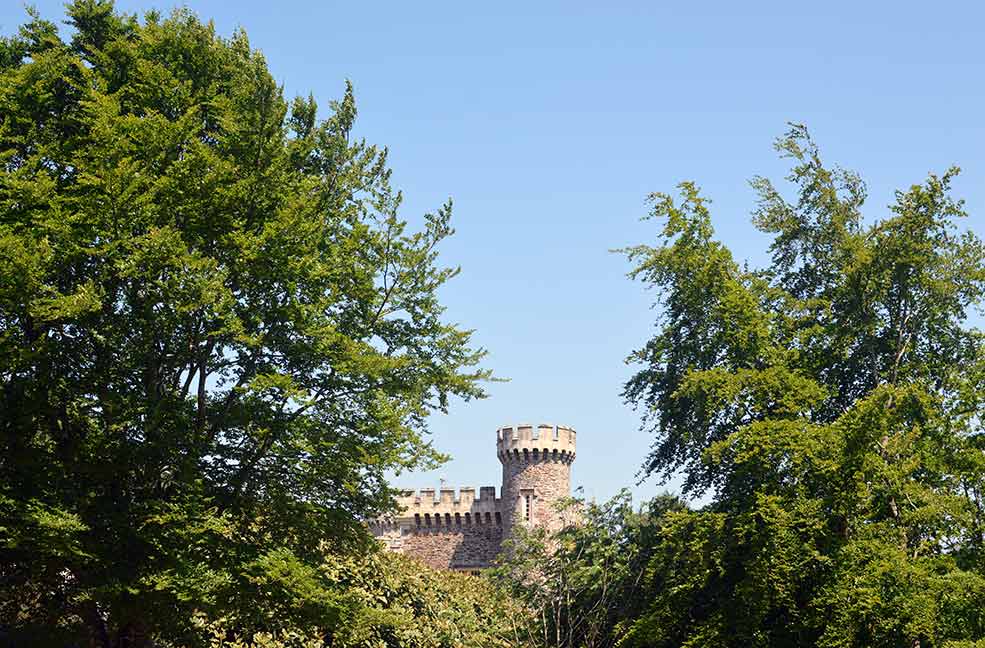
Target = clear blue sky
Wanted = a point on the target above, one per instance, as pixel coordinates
(548, 123)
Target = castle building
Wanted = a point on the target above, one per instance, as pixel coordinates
(466, 532)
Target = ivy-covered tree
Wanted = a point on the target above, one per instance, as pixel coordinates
(217, 335)
(831, 406)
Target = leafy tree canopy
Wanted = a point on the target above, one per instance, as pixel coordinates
(831, 404)
(216, 332)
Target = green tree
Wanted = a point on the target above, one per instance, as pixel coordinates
(217, 335)
(831, 406)
(582, 585)
(396, 603)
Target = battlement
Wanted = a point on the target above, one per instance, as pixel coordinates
(544, 442)
(464, 528)
(448, 509)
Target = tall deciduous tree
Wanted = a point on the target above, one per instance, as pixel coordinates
(831, 405)
(216, 332)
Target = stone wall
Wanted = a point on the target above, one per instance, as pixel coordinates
(450, 531)
(544, 481)
(468, 548)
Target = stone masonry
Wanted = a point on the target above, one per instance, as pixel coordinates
(465, 532)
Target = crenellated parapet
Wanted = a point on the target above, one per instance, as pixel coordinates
(535, 443)
(444, 508)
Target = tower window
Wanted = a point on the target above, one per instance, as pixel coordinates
(489, 517)
(499, 519)
(427, 519)
(417, 519)
(526, 507)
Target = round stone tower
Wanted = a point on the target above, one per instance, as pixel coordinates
(536, 473)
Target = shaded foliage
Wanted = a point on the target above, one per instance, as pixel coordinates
(581, 585)
(390, 602)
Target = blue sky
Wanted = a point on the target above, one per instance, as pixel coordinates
(549, 123)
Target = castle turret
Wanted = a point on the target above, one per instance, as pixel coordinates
(460, 531)
(536, 473)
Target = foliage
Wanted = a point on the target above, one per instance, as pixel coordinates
(395, 602)
(216, 334)
(831, 406)
(581, 584)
